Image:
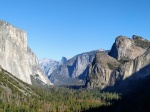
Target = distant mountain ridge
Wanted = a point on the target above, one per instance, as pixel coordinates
(74, 71)
(48, 65)
(102, 68)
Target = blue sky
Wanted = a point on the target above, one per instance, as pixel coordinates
(57, 28)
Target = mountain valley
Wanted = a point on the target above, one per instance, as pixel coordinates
(99, 80)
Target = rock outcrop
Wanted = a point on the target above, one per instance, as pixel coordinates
(127, 49)
(137, 68)
(63, 60)
(130, 60)
(15, 55)
(100, 71)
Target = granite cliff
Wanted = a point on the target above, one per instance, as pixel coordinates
(100, 70)
(15, 55)
(74, 70)
(127, 49)
(128, 58)
(63, 60)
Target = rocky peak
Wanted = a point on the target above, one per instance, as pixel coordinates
(104, 59)
(63, 60)
(100, 70)
(141, 42)
(74, 71)
(15, 55)
(107, 71)
(126, 49)
(134, 37)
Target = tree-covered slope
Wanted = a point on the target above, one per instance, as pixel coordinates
(135, 99)
(18, 96)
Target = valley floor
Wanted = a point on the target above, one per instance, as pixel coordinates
(17, 96)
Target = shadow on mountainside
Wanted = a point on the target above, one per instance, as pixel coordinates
(83, 75)
(135, 94)
(125, 85)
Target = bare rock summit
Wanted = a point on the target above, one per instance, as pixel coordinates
(15, 55)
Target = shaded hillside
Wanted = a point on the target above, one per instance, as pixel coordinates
(131, 79)
(11, 85)
(136, 99)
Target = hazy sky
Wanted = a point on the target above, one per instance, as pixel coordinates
(57, 28)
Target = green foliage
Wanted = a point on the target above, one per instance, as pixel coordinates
(113, 66)
(135, 99)
(142, 43)
(56, 99)
(122, 61)
(47, 99)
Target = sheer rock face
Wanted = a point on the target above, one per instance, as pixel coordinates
(132, 70)
(139, 67)
(15, 56)
(73, 71)
(126, 49)
(106, 71)
(100, 71)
